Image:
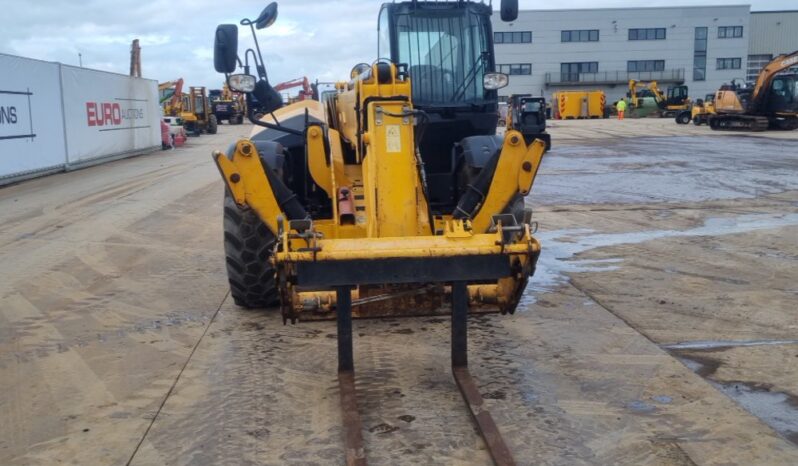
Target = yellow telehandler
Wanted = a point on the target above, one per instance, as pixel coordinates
(393, 197)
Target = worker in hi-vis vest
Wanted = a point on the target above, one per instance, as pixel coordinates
(621, 107)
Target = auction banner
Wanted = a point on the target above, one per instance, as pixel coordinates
(108, 114)
(31, 120)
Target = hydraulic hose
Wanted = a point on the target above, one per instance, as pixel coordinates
(469, 203)
(286, 199)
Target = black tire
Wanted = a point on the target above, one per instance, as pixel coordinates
(786, 124)
(213, 124)
(516, 206)
(248, 246)
(192, 129)
(683, 118)
(467, 175)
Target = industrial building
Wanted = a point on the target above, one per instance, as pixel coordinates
(703, 47)
(772, 33)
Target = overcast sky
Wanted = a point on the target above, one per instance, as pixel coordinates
(315, 38)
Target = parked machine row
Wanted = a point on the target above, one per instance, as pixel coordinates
(192, 108)
(770, 103)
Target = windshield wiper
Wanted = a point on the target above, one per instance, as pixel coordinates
(470, 76)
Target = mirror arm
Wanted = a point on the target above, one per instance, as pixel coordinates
(260, 66)
(246, 60)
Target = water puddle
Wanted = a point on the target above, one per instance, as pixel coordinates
(779, 410)
(559, 247)
(722, 344)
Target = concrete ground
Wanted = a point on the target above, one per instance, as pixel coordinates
(661, 327)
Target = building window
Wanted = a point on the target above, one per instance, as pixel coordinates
(515, 68)
(571, 71)
(755, 65)
(729, 63)
(730, 32)
(647, 34)
(581, 35)
(645, 65)
(521, 37)
(700, 54)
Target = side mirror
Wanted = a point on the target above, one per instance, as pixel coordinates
(509, 10)
(267, 16)
(225, 48)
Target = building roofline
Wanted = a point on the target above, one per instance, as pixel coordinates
(773, 11)
(641, 8)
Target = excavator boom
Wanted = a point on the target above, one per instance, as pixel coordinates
(174, 98)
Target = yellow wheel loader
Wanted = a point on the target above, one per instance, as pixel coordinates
(393, 197)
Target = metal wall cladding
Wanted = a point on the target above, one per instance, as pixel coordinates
(671, 40)
(773, 32)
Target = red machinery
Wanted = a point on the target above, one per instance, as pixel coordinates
(306, 93)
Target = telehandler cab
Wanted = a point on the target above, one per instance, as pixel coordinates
(527, 115)
(394, 197)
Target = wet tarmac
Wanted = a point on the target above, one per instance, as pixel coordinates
(778, 409)
(667, 170)
(660, 328)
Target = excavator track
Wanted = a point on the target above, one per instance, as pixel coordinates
(353, 428)
(738, 123)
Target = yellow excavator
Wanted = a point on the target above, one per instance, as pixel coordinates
(772, 102)
(676, 100)
(393, 197)
(171, 97)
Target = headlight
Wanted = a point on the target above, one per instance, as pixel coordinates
(493, 81)
(241, 82)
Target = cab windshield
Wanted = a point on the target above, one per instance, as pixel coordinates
(784, 91)
(446, 53)
(530, 107)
